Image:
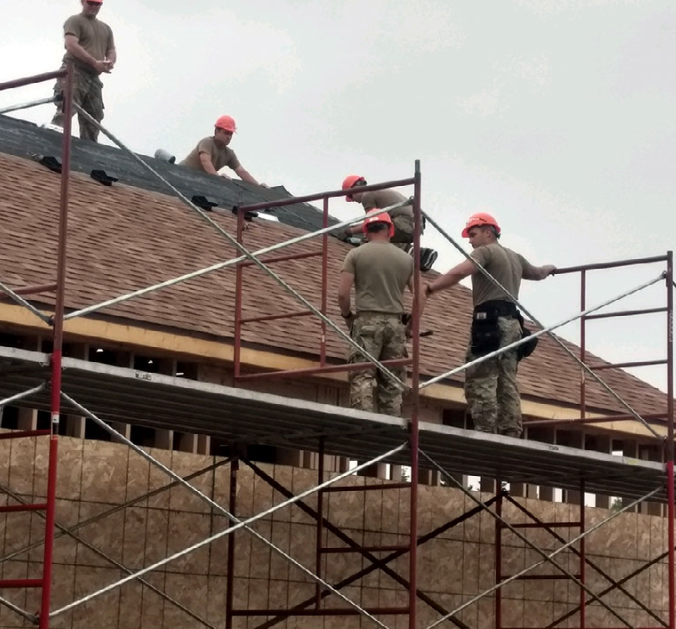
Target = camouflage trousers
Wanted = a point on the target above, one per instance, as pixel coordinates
(87, 93)
(404, 227)
(384, 337)
(490, 387)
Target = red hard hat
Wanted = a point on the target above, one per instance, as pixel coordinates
(479, 220)
(379, 218)
(227, 123)
(350, 182)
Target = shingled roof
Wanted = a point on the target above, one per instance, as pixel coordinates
(25, 139)
(125, 237)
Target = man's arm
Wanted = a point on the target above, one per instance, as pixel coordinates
(537, 273)
(245, 175)
(344, 288)
(451, 278)
(207, 164)
(357, 229)
(72, 45)
(111, 53)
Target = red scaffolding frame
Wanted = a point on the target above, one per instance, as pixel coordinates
(313, 606)
(45, 583)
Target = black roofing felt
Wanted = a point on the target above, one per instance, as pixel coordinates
(25, 139)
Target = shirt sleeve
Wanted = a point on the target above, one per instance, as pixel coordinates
(527, 269)
(111, 40)
(205, 146)
(481, 255)
(233, 162)
(368, 201)
(73, 27)
(349, 262)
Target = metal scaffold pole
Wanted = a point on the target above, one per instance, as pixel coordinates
(671, 568)
(57, 349)
(415, 401)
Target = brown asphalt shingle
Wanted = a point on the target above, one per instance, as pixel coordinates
(122, 239)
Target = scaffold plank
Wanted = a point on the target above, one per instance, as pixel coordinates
(159, 401)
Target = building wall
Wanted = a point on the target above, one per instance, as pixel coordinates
(95, 476)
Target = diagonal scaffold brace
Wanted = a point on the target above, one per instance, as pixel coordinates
(545, 557)
(248, 254)
(239, 524)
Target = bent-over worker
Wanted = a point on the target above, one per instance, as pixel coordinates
(213, 153)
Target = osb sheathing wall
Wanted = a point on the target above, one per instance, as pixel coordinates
(94, 476)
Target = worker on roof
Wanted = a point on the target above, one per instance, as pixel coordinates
(490, 387)
(379, 272)
(90, 47)
(402, 218)
(213, 153)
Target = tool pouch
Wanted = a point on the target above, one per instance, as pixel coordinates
(525, 349)
(485, 333)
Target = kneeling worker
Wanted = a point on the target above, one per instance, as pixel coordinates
(379, 199)
(213, 153)
(402, 218)
(490, 387)
(380, 272)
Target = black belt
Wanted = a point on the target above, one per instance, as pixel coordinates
(497, 308)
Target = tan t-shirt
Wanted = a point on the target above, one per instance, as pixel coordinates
(381, 272)
(504, 265)
(220, 154)
(93, 35)
(383, 198)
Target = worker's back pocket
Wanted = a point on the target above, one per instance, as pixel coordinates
(485, 336)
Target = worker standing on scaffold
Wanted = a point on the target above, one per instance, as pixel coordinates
(490, 387)
(379, 272)
(404, 223)
(90, 46)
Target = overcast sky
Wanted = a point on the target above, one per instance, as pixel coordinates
(558, 116)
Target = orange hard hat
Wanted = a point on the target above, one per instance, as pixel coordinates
(379, 218)
(227, 123)
(479, 220)
(350, 182)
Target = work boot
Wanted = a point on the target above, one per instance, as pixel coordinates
(427, 258)
(512, 432)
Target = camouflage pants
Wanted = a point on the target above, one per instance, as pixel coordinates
(384, 337)
(490, 388)
(404, 227)
(87, 93)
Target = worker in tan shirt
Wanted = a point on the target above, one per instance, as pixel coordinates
(491, 388)
(402, 217)
(379, 272)
(90, 47)
(213, 153)
(380, 199)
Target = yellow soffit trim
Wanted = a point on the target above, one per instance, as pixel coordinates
(88, 329)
